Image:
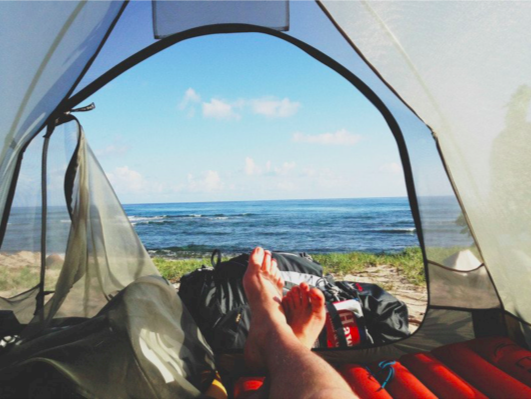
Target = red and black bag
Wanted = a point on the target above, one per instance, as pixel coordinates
(361, 314)
(345, 324)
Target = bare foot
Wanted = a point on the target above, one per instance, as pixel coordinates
(264, 290)
(305, 312)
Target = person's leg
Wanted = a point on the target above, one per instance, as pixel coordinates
(294, 371)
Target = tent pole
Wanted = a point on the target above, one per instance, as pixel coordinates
(44, 216)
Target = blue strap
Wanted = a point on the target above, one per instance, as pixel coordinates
(385, 364)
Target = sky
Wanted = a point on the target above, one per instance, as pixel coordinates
(239, 117)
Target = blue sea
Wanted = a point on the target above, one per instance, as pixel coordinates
(314, 226)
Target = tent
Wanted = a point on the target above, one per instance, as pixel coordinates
(451, 79)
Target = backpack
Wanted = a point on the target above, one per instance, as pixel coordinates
(386, 317)
(357, 314)
(216, 299)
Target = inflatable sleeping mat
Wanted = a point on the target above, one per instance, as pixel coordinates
(492, 367)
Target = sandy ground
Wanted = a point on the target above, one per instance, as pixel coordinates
(21, 271)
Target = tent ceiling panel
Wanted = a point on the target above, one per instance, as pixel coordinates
(132, 33)
(171, 17)
(464, 67)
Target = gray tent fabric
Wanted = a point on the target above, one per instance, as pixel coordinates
(103, 253)
(142, 344)
(451, 79)
(49, 45)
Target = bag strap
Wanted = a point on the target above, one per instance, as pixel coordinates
(218, 255)
(337, 324)
(322, 338)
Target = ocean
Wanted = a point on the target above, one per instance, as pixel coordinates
(314, 226)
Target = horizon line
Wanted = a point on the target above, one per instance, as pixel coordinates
(271, 200)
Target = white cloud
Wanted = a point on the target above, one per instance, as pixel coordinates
(285, 168)
(189, 98)
(209, 181)
(340, 137)
(274, 108)
(219, 109)
(392, 167)
(128, 180)
(251, 168)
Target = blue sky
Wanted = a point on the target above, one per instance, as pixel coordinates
(240, 117)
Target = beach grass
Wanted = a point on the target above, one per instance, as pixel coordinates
(174, 269)
(408, 262)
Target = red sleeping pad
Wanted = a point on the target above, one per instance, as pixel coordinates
(486, 377)
(488, 367)
(245, 386)
(438, 378)
(362, 382)
(505, 354)
(404, 384)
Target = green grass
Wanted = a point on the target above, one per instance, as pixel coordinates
(173, 269)
(20, 278)
(409, 262)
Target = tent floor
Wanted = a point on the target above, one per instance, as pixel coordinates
(492, 367)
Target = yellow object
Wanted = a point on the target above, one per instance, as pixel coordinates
(216, 390)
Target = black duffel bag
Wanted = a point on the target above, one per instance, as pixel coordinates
(385, 316)
(216, 300)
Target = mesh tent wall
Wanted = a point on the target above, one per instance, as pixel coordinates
(451, 79)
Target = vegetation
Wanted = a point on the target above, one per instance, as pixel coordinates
(20, 275)
(409, 262)
(25, 277)
(173, 269)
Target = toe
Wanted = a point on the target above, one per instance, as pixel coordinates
(291, 301)
(274, 270)
(304, 290)
(317, 300)
(267, 262)
(297, 296)
(277, 278)
(256, 258)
